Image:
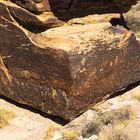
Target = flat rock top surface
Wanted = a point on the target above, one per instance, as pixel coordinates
(78, 32)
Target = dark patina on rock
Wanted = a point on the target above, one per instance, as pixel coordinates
(36, 6)
(65, 70)
(66, 9)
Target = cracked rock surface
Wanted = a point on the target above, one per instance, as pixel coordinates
(64, 67)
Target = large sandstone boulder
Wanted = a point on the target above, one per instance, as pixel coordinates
(65, 70)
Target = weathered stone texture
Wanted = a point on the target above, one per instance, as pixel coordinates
(28, 19)
(72, 8)
(132, 18)
(35, 6)
(65, 70)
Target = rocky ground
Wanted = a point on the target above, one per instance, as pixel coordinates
(26, 125)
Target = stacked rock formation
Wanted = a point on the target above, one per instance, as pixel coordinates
(64, 67)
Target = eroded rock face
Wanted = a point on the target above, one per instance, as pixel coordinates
(64, 70)
(35, 6)
(66, 9)
(28, 19)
